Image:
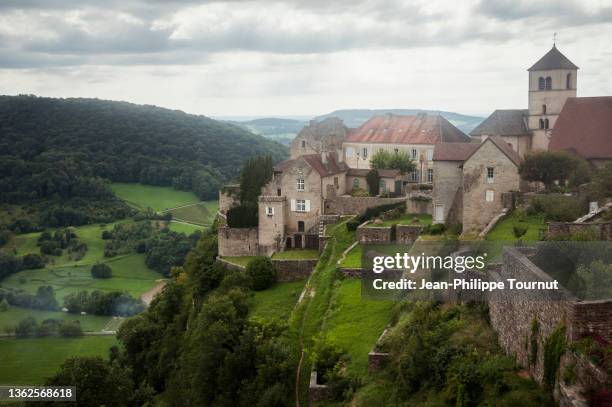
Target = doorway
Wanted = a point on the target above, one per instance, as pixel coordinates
(300, 225)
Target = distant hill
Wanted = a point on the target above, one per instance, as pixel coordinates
(284, 130)
(65, 148)
(356, 117)
(279, 130)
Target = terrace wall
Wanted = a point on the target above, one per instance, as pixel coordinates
(351, 205)
(373, 235)
(407, 234)
(237, 241)
(290, 270)
(564, 228)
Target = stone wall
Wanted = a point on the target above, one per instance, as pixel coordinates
(228, 197)
(377, 361)
(350, 272)
(373, 235)
(351, 205)
(591, 318)
(565, 228)
(317, 392)
(237, 241)
(447, 180)
(290, 270)
(407, 234)
(420, 203)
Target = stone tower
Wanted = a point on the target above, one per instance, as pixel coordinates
(552, 80)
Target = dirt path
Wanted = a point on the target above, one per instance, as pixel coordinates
(181, 206)
(148, 296)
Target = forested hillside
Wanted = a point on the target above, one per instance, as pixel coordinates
(52, 148)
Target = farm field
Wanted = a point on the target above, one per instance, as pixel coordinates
(186, 228)
(154, 197)
(31, 361)
(202, 213)
(13, 315)
(278, 301)
(129, 274)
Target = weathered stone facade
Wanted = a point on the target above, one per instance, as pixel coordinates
(447, 181)
(237, 241)
(482, 198)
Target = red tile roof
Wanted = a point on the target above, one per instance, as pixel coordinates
(396, 129)
(453, 151)
(584, 127)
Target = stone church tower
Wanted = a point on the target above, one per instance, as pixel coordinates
(552, 80)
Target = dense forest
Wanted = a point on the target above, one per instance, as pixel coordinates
(66, 150)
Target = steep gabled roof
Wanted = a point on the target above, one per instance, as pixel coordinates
(502, 146)
(584, 127)
(553, 59)
(416, 129)
(331, 167)
(512, 122)
(453, 151)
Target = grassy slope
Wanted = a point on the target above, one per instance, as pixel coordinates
(10, 318)
(503, 229)
(30, 361)
(203, 213)
(156, 198)
(304, 254)
(277, 301)
(405, 219)
(184, 227)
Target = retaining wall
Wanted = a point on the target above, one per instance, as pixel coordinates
(407, 234)
(237, 241)
(373, 235)
(290, 270)
(352, 205)
(604, 229)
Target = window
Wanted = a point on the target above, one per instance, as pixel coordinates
(546, 123)
(430, 175)
(415, 176)
(548, 85)
(429, 155)
(414, 154)
(349, 152)
(278, 192)
(336, 182)
(568, 81)
(269, 211)
(383, 186)
(356, 183)
(300, 225)
(300, 184)
(543, 109)
(303, 143)
(490, 175)
(490, 195)
(300, 205)
(541, 83)
(541, 124)
(365, 153)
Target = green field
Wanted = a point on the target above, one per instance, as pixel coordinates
(202, 213)
(154, 197)
(13, 315)
(277, 301)
(31, 361)
(353, 258)
(185, 228)
(129, 274)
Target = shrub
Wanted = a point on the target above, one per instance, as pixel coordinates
(437, 229)
(352, 225)
(554, 348)
(243, 216)
(262, 272)
(51, 248)
(359, 192)
(25, 327)
(4, 305)
(70, 329)
(519, 230)
(425, 187)
(32, 261)
(557, 208)
(373, 180)
(101, 270)
(377, 210)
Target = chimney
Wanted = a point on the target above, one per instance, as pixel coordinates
(324, 157)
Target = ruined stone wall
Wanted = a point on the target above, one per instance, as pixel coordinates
(407, 234)
(419, 205)
(555, 229)
(237, 241)
(373, 235)
(591, 318)
(228, 197)
(352, 205)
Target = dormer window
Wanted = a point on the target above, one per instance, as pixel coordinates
(300, 184)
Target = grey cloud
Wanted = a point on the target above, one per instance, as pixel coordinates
(565, 12)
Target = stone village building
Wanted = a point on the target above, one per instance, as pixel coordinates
(473, 178)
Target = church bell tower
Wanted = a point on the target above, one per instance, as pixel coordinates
(552, 80)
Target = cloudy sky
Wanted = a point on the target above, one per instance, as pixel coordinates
(299, 57)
